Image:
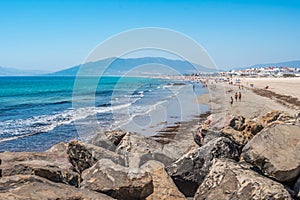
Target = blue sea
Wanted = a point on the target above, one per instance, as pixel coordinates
(38, 112)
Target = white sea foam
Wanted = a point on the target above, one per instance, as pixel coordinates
(15, 129)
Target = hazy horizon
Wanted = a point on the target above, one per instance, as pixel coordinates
(67, 67)
(55, 35)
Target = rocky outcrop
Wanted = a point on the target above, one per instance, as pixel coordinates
(83, 156)
(228, 180)
(275, 151)
(279, 117)
(52, 165)
(109, 139)
(139, 149)
(297, 188)
(117, 181)
(270, 117)
(241, 130)
(203, 135)
(20, 187)
(190, 170)
(163, 186)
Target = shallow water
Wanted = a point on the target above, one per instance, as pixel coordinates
(37, 112)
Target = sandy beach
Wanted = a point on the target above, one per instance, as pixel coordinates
(254, 101)
(286, 86)
(179, 162)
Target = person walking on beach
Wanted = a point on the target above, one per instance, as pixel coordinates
(240, 96)
(236, 96)
(231, 101)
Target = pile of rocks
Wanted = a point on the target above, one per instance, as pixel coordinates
(246, 159)
(269, 161)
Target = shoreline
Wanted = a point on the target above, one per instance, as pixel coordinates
(182, 161)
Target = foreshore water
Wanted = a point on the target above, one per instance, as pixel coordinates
(38, 112)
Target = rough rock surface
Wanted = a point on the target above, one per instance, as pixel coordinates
(83, 156)
(20, 187)
(190, 170)
(228, 180)
(275, 151)
(52, 165)
(203, 135)
(297, 188)
(109, 139)
(139, 149)
(164, 187)
(270, 117)
(117, 181)
(241, 130)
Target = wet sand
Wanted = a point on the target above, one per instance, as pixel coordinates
(254, 103)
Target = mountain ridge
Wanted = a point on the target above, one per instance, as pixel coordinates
(292, 64)
(7, 71)
(121, 66)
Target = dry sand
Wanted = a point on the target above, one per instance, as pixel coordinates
(251, 105)
(285, 86)
(254, 102)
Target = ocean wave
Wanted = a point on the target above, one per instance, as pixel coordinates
(14, 129)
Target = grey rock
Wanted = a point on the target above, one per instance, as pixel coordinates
(275, 151)
(52, 165)
(29, 187)
(237, 123)
(139, 149)
(297, 188)
(109, 139)
(189, 171)
(204, 135)
(117, 181)
(228, 180)
(83, 155)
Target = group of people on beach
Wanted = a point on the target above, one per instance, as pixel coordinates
(236, 96)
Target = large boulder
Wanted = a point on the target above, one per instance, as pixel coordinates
(297, 188)
(270, 117)
(139, 149)
(228, 180)
(20, 187)
(117, 181)
(241, 130)
(237, 123)
(83, 155)
(275, 151)
(189, 171)
(164, 187)
(203, 135)
(52, 165)
(109, 139)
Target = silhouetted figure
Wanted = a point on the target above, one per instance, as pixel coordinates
(231, 101)
(240, 96)
(236, 96)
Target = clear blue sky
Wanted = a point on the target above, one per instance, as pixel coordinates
(51, 35)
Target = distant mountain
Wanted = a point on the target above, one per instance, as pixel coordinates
(134, 66)
(292, 64)
(5, 71)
